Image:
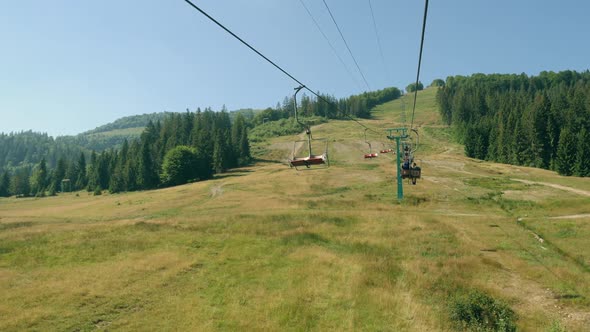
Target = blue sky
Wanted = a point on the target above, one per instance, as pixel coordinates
(69, 66)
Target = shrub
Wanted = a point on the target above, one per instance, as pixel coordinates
(477, 311)
(412, 87)
(97, 191)
(437, 83)
(180, 166)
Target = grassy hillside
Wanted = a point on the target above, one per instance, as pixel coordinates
(270, 248)
(133, 121)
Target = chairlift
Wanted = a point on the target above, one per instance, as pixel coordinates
(311, 159)
(386, 151)
(369, 155)
(410, 170)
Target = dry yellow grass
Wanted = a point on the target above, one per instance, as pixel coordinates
(269, 248)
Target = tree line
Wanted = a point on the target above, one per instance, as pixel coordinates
(27, 148)
(35, 163)
(308, 106)
(185, 147)
(541, 121)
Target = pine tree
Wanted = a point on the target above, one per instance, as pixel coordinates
(218, 155)
(566, 152)
(147, 177)
(92, 172)
(59, 173)
(19, 183)
(5, 185)
(582, 166)
(39, 180)
(203, 144)
(244, 147)
(117, 183)
(131, 169)
(81, 180)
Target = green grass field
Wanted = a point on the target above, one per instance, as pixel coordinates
(270, 248)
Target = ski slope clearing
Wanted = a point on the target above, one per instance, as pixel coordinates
(269, 248)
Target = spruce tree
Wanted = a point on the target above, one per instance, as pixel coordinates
(218, 154)
(59, 173)
(81, 181)
(582, 166)
(20, 182)
(40, 179)
(92, 172)
(566, 152)
(5, 185)
(147, 177)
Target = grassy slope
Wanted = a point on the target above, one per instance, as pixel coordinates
(267, 247)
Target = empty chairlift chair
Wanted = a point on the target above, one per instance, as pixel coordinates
(312, 159)
(369, 155)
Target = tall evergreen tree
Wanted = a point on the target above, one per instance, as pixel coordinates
(566, 152)
(218, 162)
(582, 166)
(59, 173)
(92, 172)
(81, 180)
(40, 178)
(147, 177)
(5, 185)
(20, 182)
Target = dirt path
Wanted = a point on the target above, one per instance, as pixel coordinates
(572, 216)
(556, 186)
(217, 190)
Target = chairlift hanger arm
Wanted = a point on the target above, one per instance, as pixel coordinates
(369, 143)
(417, 140)
(297, 89)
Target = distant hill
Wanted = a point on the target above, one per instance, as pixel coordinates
(133, 121)
(112, 135)
(26, 148)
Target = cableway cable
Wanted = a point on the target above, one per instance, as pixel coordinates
(419, 63)
(345, 43)
(320, 97)
(378, 39)
(243, 42)
(330, 43)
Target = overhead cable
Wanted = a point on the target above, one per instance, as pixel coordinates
(347, 47)
(271, 62)
(419, 62)
(378, 39)
(330, 43)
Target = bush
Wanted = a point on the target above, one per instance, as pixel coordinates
(477, 311)
(97, 191)
(437, 83)
(412, 87)
(181, 165)
(51, 191)
(556, 327)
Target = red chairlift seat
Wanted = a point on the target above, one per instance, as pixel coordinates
(308, 161)
(371, 155)
(386, 151)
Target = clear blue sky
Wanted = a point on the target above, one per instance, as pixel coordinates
(69, 66)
